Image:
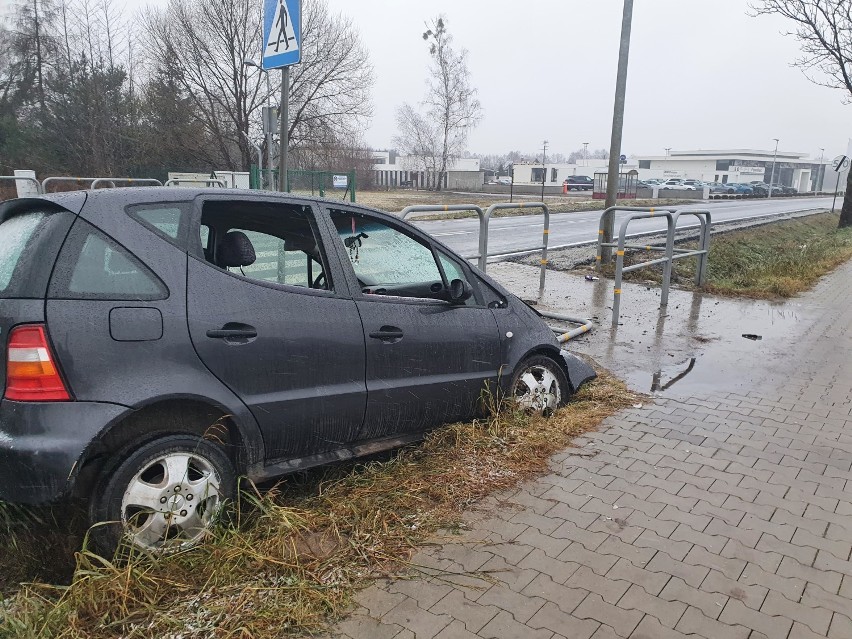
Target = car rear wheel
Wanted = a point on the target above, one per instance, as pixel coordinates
(165, 497)
(539, 386)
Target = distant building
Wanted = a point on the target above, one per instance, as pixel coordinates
(555, 174)
(738, 166)
(394, 170)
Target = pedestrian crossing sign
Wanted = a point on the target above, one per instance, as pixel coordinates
(282, 33)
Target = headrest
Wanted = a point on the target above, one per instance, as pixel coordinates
(235, 249)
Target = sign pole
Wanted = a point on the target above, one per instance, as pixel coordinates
(284, 123)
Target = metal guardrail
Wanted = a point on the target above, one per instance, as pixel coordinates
(77, 180)
(23, 178)
(670, 252)
(484, 221)
(438, 208)
(209, 182)
(129, 181)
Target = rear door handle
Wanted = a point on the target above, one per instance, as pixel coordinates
(388, 333)
(233, 333)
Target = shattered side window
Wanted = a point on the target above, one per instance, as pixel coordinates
(381, 254)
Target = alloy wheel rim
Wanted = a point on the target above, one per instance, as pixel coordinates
(537, 389)
(171, 504)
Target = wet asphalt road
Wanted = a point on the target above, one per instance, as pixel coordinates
(569, 229)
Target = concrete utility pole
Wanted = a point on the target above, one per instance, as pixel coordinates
(586, 153)
(772, 177)
(821, 168)
(612, 183)
(543, 167)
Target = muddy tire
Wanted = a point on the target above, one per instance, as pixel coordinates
(163, 497)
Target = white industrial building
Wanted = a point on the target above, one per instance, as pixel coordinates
(738, 166)
(555, 174)
(392, 170)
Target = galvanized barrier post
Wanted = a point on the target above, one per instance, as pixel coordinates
(130, 181)
(544, 242)
(444, 208)
(25, 179)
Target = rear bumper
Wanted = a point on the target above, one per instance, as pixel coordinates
(40, 444)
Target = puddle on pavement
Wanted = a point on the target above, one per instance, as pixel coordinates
(695, 346)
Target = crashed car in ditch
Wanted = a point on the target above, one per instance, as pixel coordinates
(161, 342)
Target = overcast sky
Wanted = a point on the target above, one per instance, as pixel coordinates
(703, 74)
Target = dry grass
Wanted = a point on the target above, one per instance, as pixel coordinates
(771, 261)
(294, 555)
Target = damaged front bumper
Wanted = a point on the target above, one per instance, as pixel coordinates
(578, 371)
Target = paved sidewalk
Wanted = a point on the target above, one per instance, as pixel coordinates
(720, 514)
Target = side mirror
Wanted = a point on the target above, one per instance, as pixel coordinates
(460, 291)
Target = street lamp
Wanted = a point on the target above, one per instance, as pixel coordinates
(772, 176)
(586, 153)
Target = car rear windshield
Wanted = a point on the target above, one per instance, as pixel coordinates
(29, 242)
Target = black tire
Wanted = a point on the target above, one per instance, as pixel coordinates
(536, 364)
(197, 499)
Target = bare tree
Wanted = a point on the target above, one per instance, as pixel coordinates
(824, 31)
(418, 138)
(206, 43)
(453, 108)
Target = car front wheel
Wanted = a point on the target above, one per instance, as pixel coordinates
(164, 497)
(539, 385)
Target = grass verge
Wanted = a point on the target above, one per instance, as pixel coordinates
(769, 261)
(295, 554)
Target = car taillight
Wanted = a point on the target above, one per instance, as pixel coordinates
(31, 372)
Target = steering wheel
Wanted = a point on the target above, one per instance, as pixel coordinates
(320, 281)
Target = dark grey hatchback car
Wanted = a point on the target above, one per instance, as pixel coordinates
(161, 342)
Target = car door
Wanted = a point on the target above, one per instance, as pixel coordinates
(428, 361)
(269, 317)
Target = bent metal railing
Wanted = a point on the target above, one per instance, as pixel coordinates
(670, 252)
(23, 179)
(484, 221)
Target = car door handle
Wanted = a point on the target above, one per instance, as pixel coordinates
(233, 333)
(388, 333)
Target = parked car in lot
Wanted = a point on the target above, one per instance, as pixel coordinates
(719, 187)
(676, 183)
(696, 184)
(160, 342)
(579, 183)
(742, 189)
(504, 180)
(780, 189)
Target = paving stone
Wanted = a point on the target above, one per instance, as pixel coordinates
(566, 598)
(422, 591)
(817, 619)
(695, 622)
(817, 597)
(691, 574)
(551, 617)
(521, 606)
(841, 627)
(378, 601)
(766, 559)
(595, 608)
(710, 603)
(827, 579)
(611, 590)
(558, 570)
(751, 595)
(504, 626)
(652, 582)
(746, 537)
(675, 549)
(730, 567)
(712, 543)
(515, 577)
(651, 628)
(598, 562)
(472, 615)
(511, 551)
(696, 522)
(550, 546)
(635, 554)
(456, 630)
(666, 611)
(359, 626)
(422, 623)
